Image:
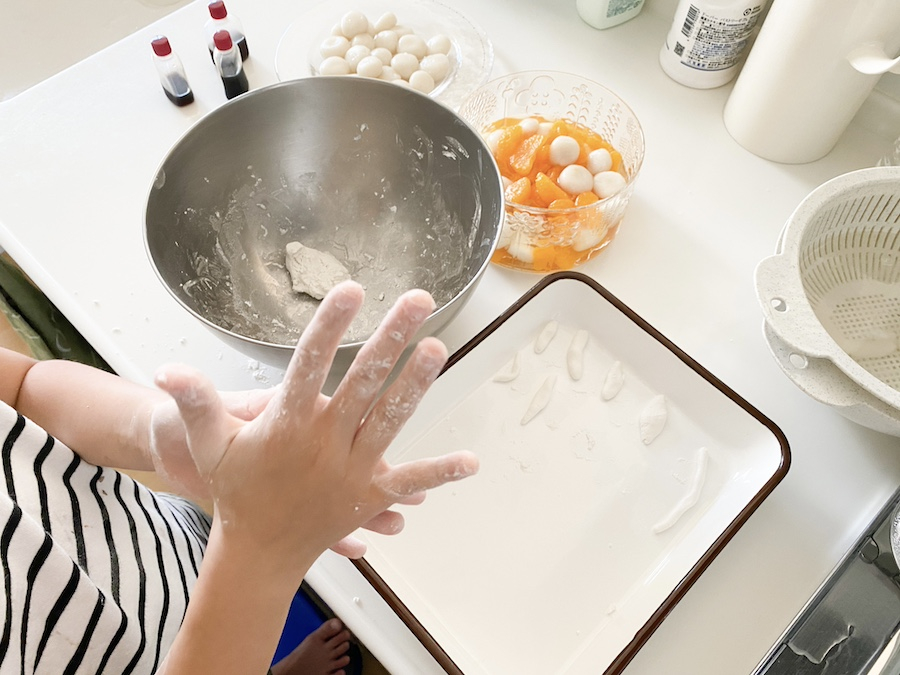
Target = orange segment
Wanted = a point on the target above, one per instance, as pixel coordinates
(616, 161)
(523, 157)
(562, 204)
(506, 146)
(519, 192)
(548, 190)
(553, 258)
(586, 198)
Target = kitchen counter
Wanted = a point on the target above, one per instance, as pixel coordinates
(79, 151)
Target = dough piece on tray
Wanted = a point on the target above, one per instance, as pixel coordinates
(653, 418)
(575, 355)
(615, 378)
(690, 497)
(313, 272)
(540, 400)
(542, 341)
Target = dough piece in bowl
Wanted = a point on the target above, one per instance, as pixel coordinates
(313, 272)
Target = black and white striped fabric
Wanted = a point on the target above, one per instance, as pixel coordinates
(97, 569)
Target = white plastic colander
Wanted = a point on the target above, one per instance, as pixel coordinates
(831, 296)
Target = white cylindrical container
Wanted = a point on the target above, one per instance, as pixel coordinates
(797, 91)
(608, 13)
(706, 43)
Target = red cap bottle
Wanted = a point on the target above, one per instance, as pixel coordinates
(171, 72)
(219, 19)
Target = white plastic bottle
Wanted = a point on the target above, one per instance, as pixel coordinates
(220, 19)
(171, 72)
(608, 13)
(707, 41)
(798, 91)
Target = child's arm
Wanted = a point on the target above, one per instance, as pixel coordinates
(110, 421)
(102, 417)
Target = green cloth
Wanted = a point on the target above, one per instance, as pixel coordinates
(32, 340)
(32, 315)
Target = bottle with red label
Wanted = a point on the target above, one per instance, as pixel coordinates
(220, 19)
(171, 72)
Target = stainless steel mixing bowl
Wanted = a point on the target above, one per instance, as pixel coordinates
(396, 186)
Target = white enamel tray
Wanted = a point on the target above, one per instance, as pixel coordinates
(577, 537)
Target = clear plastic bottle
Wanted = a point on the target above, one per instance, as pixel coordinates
(608, 13)
(220, 19)
(707, 41)
(171, 72)
(230, 65)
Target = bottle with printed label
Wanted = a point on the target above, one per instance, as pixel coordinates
(608, 13)
(708, 39)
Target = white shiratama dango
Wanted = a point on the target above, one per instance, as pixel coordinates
(385, 22)
(575, 179)
(403, 56)
(369, 66)
(335, 65)
(422, 81)
(599, 160)
(436, 65)
(608, 183)
(353, 23)
(564, 150)
(334, 45)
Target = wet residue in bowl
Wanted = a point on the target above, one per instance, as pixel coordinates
(392, 234)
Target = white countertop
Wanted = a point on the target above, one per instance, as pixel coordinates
(78, 152)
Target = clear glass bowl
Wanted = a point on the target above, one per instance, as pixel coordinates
(547, 240)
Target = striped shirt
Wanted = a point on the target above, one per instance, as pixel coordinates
(97, 568)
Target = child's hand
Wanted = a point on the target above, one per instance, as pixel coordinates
(306, 470)
(169, 450)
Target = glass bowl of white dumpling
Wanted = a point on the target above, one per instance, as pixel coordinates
(422, 44)
(569, 151)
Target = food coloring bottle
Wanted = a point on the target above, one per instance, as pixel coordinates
(171, 72)
(230, 65)
(706, 44)
(219, 19)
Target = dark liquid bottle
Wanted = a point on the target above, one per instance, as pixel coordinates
(228, 62)
(235, 85)
(221, 20)
(180, 93)
(171, 73)
(180, 99)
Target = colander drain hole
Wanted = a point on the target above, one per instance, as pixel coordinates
(778, 304)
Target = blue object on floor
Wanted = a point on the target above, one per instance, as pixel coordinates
(303, 618)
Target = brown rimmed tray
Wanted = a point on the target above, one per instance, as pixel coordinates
(567, 551)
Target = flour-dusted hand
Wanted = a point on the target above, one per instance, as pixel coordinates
(308, 469)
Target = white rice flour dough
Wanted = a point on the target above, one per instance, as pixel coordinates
(313, 272)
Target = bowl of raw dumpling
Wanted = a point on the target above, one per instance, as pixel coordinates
(424, 44)
(276, 196)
